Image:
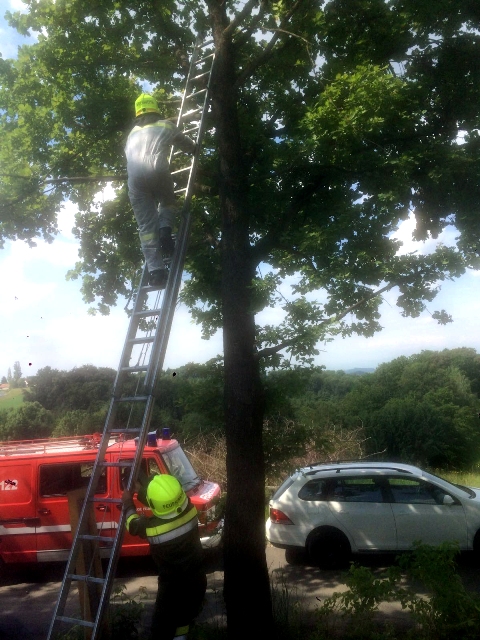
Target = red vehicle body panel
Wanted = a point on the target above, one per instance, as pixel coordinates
(35, 477)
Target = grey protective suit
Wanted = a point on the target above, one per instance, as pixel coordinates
(150, 185)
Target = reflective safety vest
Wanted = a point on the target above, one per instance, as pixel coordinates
(174, 544)
(157, 531)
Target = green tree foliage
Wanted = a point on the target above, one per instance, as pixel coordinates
(4, 380)
(331, 121)
(85, 388)
(422, 409)
(29, 421)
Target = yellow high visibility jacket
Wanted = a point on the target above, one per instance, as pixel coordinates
(175, 544)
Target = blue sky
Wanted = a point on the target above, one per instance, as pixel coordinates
(44, 321)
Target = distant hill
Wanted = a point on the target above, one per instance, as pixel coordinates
(359, 372)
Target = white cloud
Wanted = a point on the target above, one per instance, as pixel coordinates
(407, 228)
(18, 5)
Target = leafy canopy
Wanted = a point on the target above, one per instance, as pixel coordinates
(350, 113)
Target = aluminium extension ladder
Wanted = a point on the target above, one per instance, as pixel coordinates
(147, 337)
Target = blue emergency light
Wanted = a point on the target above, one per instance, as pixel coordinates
(166, 433)
(152, 439)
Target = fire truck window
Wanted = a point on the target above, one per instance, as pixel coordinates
(125, 473)
(57, 479)
(154, 469)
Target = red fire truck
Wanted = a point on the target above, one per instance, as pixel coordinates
(36, 475)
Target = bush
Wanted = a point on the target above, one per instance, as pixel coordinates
(449, 610)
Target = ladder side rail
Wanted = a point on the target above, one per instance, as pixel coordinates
(114, 553)
(190, 75)
(167, 311)
(117, 544)
(82, 521)
(131, 333)
(171, 295)
(156, 362)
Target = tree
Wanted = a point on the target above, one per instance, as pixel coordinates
(4, 380)
(85, 388)
(28, 422)
(330, 122)
(17, 374)
(422, 409)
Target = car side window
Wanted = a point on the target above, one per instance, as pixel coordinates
(314, 490)
(356, 490)
(57, 479)
(410, 491)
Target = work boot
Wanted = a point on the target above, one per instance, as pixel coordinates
(167, 245)
(158, 278)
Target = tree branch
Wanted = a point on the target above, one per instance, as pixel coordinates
(239, 17)
(245, 35)
(270, 351)
(86, 179)
(268, 51)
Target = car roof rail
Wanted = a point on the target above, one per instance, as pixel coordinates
(359, 465)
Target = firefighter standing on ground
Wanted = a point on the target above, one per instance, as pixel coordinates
(172, 532)
(150, 184)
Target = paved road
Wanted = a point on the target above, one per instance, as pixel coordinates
(28, 595)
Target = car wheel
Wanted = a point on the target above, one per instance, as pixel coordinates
(329, 548)
(295, 557)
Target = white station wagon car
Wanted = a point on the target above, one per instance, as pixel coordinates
(332, 510)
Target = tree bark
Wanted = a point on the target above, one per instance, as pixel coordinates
(246, 586)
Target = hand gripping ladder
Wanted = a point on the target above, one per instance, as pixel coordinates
(147, 339)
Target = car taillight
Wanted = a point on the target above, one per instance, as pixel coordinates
(278, 517)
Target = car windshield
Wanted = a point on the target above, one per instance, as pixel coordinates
(430, 476)
(180, 466)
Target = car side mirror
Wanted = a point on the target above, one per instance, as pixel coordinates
(448, 500)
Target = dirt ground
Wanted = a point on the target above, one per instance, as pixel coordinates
(28, 594)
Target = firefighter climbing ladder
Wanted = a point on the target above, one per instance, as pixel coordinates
(147, 338)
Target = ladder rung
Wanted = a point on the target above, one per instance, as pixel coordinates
(191, 112)
(195, 128)
(200, 75)
(200, 60)
(83, 623)
(121, 431)
(148, 288)
(195, 93)
(88, 536)
(180, 190)
(147, 313)
(134, 369)
(129, 399)
(141, 340)
(75, 576)
(108, 500)
(181, 170)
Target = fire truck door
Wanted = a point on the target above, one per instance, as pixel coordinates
(17, 514)
(54, 536)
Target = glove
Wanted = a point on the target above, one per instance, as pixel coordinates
(127, 497)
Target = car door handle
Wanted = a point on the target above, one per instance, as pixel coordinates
(103, 507)
(44, 512)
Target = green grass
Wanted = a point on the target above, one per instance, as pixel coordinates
(12, 399)
(469, 479)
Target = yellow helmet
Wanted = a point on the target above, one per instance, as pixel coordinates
(146, 104)
(165, 496)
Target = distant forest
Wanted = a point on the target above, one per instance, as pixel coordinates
(423, 409)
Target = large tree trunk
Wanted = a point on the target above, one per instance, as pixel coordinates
(247, 588)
